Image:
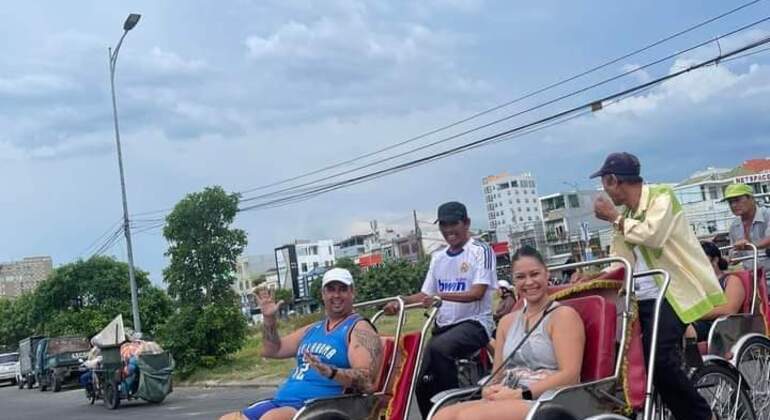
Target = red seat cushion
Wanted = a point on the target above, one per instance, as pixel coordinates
(407, 362)
(599, 321)
(388, 345)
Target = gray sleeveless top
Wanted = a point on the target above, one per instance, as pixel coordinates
(536, 357)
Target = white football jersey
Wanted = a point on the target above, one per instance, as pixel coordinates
(456, 273)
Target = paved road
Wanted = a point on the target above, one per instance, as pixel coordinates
(183, 403)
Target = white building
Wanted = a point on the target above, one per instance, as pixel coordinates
(248, 268)
(511, 202)
(569, 223)
(294, 261)
(701, 194)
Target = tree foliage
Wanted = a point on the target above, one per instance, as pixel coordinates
(391, 278)
(80, 298)
(203, 248)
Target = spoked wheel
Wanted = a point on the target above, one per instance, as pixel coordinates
(719, 386)
(753, 361)
(111, 395)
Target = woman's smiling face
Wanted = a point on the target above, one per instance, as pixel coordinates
(530, 278)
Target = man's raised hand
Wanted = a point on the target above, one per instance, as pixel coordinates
(267, 303)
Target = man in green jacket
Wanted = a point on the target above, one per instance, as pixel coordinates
(652, 232)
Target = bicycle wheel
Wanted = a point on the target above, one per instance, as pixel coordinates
(719, 386)
(753, 361)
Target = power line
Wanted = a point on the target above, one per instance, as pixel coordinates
(297, 188)
(508, 103)
(477, 143)
(487, 111)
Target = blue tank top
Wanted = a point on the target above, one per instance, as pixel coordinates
(305, 383)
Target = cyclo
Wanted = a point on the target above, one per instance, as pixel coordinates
(402, 357)
(614, 381)
(111, 381)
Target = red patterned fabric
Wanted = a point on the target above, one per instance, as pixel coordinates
(408, 348)
(635, 377)
(388, 346)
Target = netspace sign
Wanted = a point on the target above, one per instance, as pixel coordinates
(754, 178)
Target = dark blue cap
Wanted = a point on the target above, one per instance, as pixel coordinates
(622, 164)
(451, 212)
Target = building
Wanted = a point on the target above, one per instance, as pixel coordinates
(701, 194)
(23, 276)
(249, 268)
(569, 224)
(511, 202)
(294, 261)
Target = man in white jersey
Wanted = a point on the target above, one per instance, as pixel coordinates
(463, 275)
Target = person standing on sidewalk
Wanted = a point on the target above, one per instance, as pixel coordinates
(464, 276)
(342, 351)
(652, 232)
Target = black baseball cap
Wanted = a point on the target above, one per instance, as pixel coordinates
(452, 212)
(623, 165)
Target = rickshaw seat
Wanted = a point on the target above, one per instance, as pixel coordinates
(388, 346)
(404, 371)
(599, 321)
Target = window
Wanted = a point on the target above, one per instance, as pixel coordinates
(315, 264)
(312, 250)
(303, 268)
(518, 201)
(515, 184)
(502, 186)
(329, 250)
(574, 202)
(527, 208)
(521, 219)
(529, 218)
(713, 193)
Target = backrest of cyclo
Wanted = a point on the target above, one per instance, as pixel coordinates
(634, 373)
(747, 281)
(599, 320)
(406, 363)
(388, 345)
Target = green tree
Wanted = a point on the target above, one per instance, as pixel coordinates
(80, 298)
(391, 278)
(203, 248)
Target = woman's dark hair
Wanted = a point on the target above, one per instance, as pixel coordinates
(527, 251)
(712, 251)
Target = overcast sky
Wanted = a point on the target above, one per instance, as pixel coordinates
(244, 93)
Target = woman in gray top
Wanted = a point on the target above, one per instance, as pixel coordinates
(549, 358)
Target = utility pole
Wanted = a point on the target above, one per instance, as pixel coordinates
(418, 235)
(129, 24)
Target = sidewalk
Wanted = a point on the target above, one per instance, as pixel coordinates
(264, 382)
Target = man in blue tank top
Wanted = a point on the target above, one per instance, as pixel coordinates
(340, 352)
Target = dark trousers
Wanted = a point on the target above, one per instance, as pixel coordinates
(439, 371)
(671, 382)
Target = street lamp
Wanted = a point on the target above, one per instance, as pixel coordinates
(129, 24)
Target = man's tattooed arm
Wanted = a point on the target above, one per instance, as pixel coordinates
(363, 378)
(271, 341)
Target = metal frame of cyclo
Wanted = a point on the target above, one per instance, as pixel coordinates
(628, 281)
(397, 339)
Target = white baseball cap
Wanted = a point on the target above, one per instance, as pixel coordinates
(337, 274)
(504, 284)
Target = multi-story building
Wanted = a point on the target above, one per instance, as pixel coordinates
(23, 276)
(248, 268)
(294, 261)
(569, 223)
(511, 203)
(701, 194)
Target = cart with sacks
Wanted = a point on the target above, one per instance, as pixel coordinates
(111, 381)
